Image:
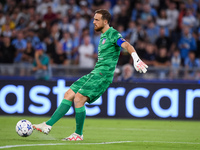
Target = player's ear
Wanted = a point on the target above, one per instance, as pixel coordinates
(105, 22)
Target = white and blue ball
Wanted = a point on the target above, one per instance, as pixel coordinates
(24, 128)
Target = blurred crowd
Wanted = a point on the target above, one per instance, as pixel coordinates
(165, 33)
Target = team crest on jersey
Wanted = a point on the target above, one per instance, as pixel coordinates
(104, 40)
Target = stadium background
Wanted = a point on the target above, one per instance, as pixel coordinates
(154, 111)
(165, 33)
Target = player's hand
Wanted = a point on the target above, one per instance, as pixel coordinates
(138, 64)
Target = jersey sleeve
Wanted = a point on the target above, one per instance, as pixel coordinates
(120, 41)
(115, 36)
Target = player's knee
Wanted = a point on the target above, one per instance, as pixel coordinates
(69, 95)
(80, 100)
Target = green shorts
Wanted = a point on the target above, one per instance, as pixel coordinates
(92, 85)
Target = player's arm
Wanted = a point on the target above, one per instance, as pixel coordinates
(137, 62)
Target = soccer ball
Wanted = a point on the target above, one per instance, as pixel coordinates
(24, 128)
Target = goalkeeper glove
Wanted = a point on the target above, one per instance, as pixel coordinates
(138, 63)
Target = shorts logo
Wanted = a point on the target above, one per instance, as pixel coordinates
(104, 40)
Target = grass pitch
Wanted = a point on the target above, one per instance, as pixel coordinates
(107, 134)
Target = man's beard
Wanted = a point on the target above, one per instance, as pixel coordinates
(98, 29)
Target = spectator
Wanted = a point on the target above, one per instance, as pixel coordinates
(191, 62)
(141, 34)
(154, 3)
(76, 44)
(191, 4)
(50, 46)
(147, 13)
(80, 20)
(22, 17)
(8, 22)
(189, 19)
(67, 45)
(41, 64)
(27, 60)
(63, 7)
(182, 12)
(85, 11)
(42, 8)
(172, 14)
(7, 51)
(49, 17)
(152, 31)
(107, 6)
(15, 14)
(95, 41)
(162, 61)
(65, 26)
(9, 6)
(87, 56)
(117, 75)
(120, 29)
(2, 18)
(32, 37)
(74, 6)
(175, 64)
(55, 33)
(163, 41)
(97, 4)
(123, 17)
(163, 20)
(127, 73)
(20, 44)
(140, 46)
(7, 31)
(136, 12)
(42, 31)
(186, 43)
(33, 22)
(198, 43)
(149, 55)
(117, 7)
(28, 54)
(85, 32)
(198, 18)
(59, 58)
(131, 32)
(21, 25)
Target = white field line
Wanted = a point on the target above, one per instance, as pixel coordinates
(102, 143)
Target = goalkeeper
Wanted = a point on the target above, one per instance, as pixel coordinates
(91, 86)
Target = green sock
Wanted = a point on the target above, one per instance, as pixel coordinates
(80, 118)
(60, 112)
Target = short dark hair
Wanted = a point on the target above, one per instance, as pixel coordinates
(105, 14)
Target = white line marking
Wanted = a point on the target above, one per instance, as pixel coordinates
(116, 142)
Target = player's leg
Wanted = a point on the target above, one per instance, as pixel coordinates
(59, 113)
(63, 107)
(79, 102)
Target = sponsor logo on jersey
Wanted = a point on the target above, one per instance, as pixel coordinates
(104, 40)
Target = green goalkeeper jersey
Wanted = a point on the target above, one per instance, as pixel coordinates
(108, 54)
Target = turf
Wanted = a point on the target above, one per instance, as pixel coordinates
(107, 134)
